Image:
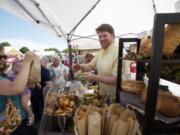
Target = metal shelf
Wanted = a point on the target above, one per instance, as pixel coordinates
(165, 61)
(160, 20)
(149, 125)
(121, 46)
(159, 127)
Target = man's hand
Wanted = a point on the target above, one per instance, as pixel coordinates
(76, 67)
(89, 76)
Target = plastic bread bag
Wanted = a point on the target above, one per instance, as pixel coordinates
(77, 89)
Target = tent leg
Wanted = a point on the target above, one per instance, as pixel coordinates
(71, 76)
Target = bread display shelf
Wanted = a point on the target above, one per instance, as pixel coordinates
(149, 125)
(165, 61)
(134, 101)
(174, 88)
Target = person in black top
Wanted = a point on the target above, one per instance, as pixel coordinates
(37, 99)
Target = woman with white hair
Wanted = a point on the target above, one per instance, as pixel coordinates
(59, 72)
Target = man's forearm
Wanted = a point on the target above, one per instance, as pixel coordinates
(111, 80)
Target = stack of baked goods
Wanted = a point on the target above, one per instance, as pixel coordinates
(133, 86)
(167, 104)
(64, 106)
(171, 41)
(50, 103)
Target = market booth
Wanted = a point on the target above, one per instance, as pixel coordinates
(78, 107)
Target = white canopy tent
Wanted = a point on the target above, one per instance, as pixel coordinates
(58, 16)
(61, 17)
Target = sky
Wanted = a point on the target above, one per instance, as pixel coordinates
(126, 16)
(20, 33)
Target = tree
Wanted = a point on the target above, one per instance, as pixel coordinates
(5, 44)
(73, 50)
(55, 50)
(24, 49)
(65, 50)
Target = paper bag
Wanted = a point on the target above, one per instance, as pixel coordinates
(120, 128)
(80, 120)
(81, 126)
(110, 123)
(35, 71)
(94, 123)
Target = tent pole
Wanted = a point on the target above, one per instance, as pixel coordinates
(84, 16)
(154, 7)
(81, 37)
(26, 10)
(43, 14)
(71, 77)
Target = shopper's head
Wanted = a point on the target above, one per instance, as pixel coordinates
(88, 57)
(56, 60)
(3, 58)
(106, 35)
(44, 61)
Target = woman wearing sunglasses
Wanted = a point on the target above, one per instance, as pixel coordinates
(17, 86)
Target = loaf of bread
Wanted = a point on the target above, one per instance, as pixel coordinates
(145, 47)
(133, 86)
(171, 41)
(167, 104)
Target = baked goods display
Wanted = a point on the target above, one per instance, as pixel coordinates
(50, 103)
(145, 47)
(171, 41)
(65, 105)
(167, 104)
(58, 104)
(133, 86)
(171, 46)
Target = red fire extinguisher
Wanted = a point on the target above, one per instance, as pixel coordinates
(133, 67)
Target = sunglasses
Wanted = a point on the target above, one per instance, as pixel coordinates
(3, 56)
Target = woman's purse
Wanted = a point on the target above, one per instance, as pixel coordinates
(11, 118)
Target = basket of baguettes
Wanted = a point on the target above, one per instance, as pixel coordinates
(167, 103)
(62, 102)
(112, 120)
(58, 105)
